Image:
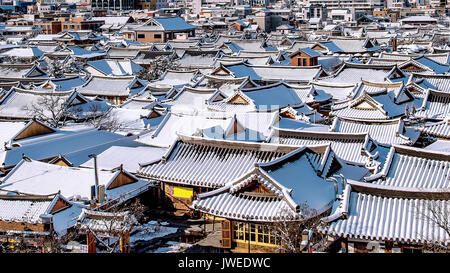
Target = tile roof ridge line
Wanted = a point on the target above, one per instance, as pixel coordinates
(407, 150)
(399, 192)
(318, 133)
(236, 144)
(356, 120)
(32, 92)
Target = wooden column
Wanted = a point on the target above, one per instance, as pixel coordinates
(90, 239)
(249, 236)
(344, 245)
(125, 243)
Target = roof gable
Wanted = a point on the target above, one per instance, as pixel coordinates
(33, 128)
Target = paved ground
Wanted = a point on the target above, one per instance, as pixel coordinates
(204, 235)
(212, 238)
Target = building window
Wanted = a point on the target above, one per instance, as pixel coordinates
(157, 36)
(141, 36)
(263, 234)
(239, 230)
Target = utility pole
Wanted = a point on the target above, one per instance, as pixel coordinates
(94, 156)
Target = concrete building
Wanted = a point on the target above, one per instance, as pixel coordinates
(113, 4)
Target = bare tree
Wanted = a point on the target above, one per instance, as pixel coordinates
(158, 67)
(55, 69)
(441, 41)
(72, 66)
(293, 229)
(434, 213)
(51, 109)
(105, 121)
(58, 244)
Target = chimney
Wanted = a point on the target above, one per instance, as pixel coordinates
(94, 156)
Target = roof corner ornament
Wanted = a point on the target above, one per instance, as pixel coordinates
(372, 165)
(26, 158)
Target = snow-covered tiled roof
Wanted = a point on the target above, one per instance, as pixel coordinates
(377, 101)
(437, 82)
(35, 177)
(82, 143)
(23, 52)
(116, 67)
(274, 73)
(18, 71)
(129, 157)
(18, 103)
(436, 105)
(24, 210)
(439, 129)
(385, 132)
(175, 78)
(290, 195)
(225, 161)
(337, 91)
(354, 73)
(415, 168)
(61, 84)
(112, 86)
(380, 218)
(352, 147)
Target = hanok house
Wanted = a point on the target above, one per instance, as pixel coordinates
(17, 104)
(352, 73)
(78, 184)
(22, 73)
(263, 74)
(32, 220)
(304, 57)
(115, 89)
(384, 132)
(376, 101)
(391, 211)
(74, 145)
(293, 187)
(78, 37)
(195, 165)
(358, 148)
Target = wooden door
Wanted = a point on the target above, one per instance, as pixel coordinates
(226, 234)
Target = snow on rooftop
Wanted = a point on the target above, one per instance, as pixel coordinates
(40, 178)
(130, 157)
